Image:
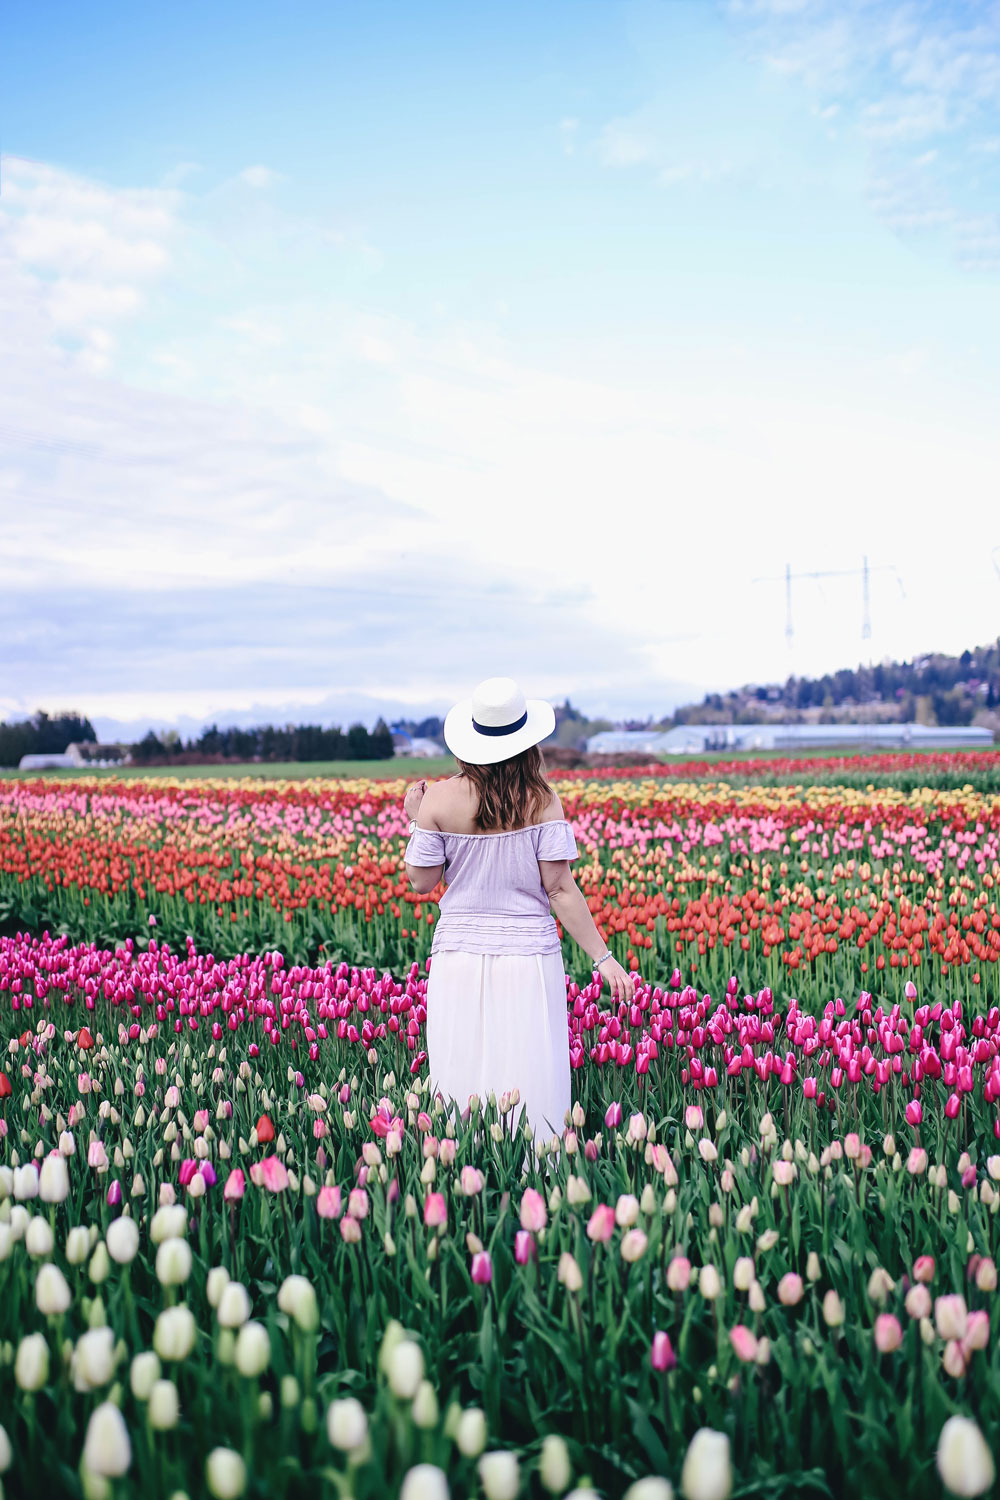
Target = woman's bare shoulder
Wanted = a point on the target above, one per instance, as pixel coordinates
(444, 804)
(554, 812)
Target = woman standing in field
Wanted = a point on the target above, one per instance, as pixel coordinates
(495, 831)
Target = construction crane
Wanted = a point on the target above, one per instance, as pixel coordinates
(864, 572)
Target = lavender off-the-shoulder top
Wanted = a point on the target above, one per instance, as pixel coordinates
(495, 901)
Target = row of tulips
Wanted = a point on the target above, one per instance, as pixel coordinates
(236, 1258)
(805, 886)
(923, 1069)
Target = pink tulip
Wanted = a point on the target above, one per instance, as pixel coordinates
(328, 1202)
(482, 1268)
(97, 1156)
(534, 1214)
(914, 1112)
(661, 1354)
(923, 1268)
(744, 1343)
(273, 1174)
(435, 1210)
(613, 1116)
(678, 1273)
(114, 1194)
(951, 1317)
(235, 1186)
(790, 1289)
(350, 1230)
(888, 1333)
(601, 1225)
(977, 1331)
(525, 1248)
(471, 1180)
(357, 1204)
(188, 1168)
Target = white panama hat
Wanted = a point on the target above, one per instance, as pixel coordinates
(496, 723)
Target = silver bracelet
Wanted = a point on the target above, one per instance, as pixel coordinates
(599, 961)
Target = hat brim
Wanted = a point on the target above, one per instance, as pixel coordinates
(477, 749)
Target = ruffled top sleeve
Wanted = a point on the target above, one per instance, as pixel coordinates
(426, 847)
(555, 841)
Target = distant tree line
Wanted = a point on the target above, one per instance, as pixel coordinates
(41, 735)
(269, 742)
(940, 689)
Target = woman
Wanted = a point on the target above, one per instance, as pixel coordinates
(496, 996)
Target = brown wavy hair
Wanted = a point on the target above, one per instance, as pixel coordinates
(512, 793)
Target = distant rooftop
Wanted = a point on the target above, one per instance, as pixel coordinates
(697, 738)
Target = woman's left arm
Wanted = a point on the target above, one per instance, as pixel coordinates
(422, 878)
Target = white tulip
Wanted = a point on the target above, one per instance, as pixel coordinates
(425, 1406)
(77, 1245)
(406, 1369)
(53, 1180)
(6, 1452)
(424, 1482)
(122, 1240)
(174, 1333)
(499, 1475)
(470, 1434)
(168, 1223)
(38, 1239)
(297, 1298)
(106, 1449)
(173, 1262)
(100, 1264)
(215, 1284)
(25, 1182)
(707, 1473)
(225, 1474)
(164, 1406)
(234, 1305)
(94, 1359)
(964, 1461)
(346, 1424)
(143, 1374)
(6, 1241)
(650, 1488)
(52, 1295)
(253, 1350)
(31, 1366)
(554, 1468)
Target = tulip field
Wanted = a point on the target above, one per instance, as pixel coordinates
(244, 1250)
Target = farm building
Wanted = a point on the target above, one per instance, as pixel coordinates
(415, 747)
(81, 756)
(696, 739)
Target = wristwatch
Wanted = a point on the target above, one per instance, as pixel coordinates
(413, 827)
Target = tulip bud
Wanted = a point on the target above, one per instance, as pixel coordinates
(225, 1474)
(164, 1406)
(253, 1350)
(143, 1374)
(346, 1424)
(554, 1467)
(470, 1435)
(707, 1471)
(107, 1450)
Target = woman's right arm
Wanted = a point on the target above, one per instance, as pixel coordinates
(569, 907)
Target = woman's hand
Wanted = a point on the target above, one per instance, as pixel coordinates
(621, 981)
(413, 797)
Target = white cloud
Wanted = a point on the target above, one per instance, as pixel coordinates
(621, 144)
(259, 177)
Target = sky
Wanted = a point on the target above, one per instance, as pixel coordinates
(352, 354)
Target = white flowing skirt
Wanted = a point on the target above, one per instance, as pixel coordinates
(495, 1022)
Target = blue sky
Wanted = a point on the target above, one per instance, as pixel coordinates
(351, 354)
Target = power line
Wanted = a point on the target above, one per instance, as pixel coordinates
(864, 572)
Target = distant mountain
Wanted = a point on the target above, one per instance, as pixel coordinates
(930, 689)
